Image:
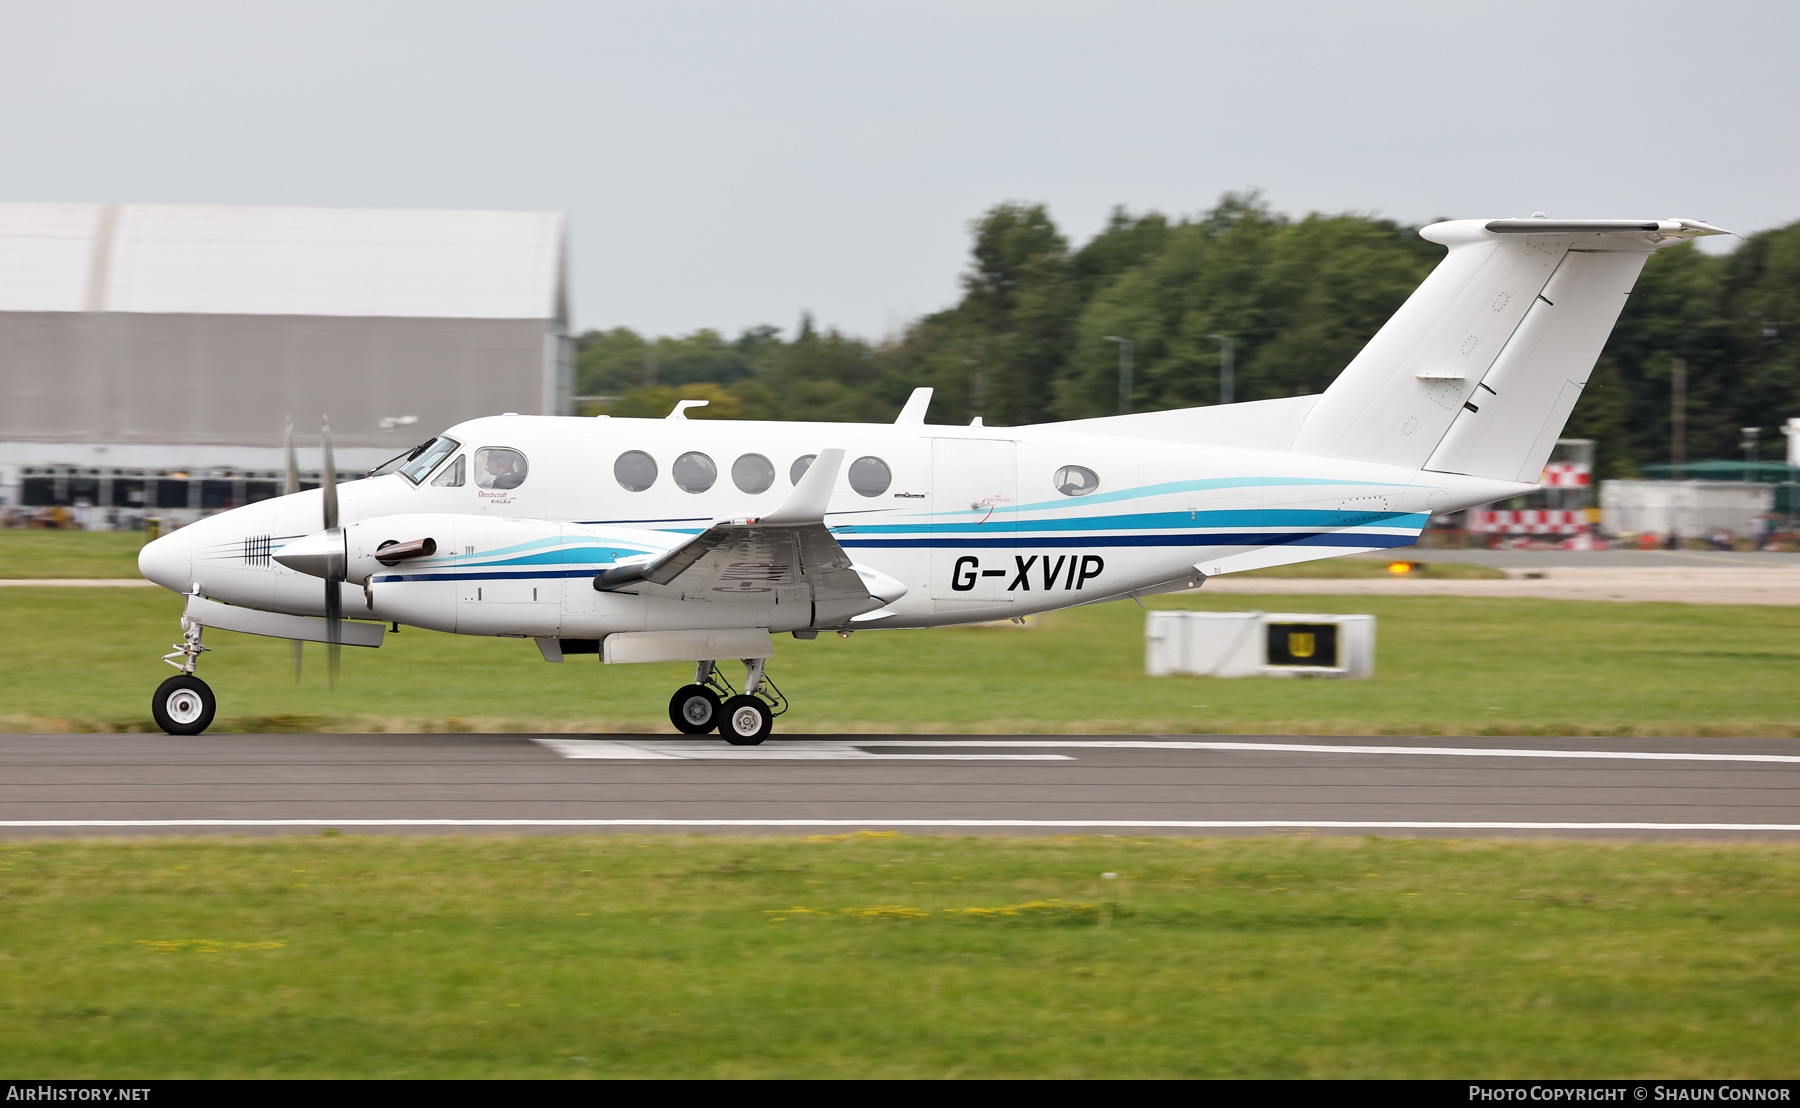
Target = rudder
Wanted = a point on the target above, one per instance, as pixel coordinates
(1509, 425)
(1478, 370)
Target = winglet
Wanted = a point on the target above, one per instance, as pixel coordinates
(808, 501)
(914, 412)
(681, 407)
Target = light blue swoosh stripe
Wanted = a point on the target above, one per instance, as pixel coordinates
(566, 550)
(1252, 519)
(535, 544)
(1169, 488)
(568, 555)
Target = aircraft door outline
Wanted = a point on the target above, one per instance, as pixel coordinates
(975, 498)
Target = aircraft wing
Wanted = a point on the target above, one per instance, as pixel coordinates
(786, 557)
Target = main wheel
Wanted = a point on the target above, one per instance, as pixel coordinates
(694, 709)
(747, 721)
(183, 705)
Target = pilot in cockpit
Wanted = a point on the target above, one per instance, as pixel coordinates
(500, 468)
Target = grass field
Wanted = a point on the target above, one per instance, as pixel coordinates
(26, 554)
(878, 955)
(86, 659)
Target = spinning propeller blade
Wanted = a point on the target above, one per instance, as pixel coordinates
(289, 487)
(292, 485)
(334, 580)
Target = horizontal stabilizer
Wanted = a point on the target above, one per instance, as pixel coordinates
(1684, 227)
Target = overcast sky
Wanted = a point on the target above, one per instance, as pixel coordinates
(734, 163)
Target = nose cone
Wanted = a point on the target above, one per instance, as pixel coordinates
(320, 555)
(169, 561)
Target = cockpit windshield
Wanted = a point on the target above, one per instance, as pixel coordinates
(416, 464)
(400, 459)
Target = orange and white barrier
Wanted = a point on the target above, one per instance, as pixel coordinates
(1530, 521)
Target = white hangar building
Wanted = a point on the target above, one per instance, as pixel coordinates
(150, 354)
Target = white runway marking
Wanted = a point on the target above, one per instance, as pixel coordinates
(1320, 748)
(857, 750)
(1119, 824)
(799, 750)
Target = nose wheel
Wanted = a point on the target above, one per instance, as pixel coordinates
(744, 719)
(183, 705)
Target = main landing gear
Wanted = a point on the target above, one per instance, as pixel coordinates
(710, 703)
(184, 704)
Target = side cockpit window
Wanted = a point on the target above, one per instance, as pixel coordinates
(1076, 481)
(454, 474)
(499, 467)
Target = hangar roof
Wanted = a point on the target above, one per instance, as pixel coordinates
(206, 260)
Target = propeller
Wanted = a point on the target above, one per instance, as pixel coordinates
(334, 576)
(322, 555)
(289, 488)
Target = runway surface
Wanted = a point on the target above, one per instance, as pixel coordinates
(1199, 786)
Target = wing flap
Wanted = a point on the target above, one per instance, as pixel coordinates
(754, 562)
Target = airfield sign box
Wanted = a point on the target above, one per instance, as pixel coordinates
(1259, 644)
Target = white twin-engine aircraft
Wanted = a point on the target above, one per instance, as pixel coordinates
(676, 540)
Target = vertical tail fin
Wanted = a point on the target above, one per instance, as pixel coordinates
(1478, 370)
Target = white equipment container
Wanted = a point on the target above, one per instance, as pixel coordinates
(1259, 644)
(1691, 509)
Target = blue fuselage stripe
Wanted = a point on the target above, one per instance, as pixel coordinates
(535, 575)
(1252, 538)
(998, 542)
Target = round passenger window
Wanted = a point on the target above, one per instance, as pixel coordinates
(1076, 481)
(694, 472)
(635, 471)
(499, 467)
(799, 468)
(869, 476)
(752, 473)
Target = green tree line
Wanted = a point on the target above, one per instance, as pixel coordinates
(1032, 338)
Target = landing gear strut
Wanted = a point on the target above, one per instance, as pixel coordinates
(184, 704)
(744, 719)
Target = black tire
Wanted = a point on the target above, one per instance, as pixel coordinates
(183, 705)
(745, 721)
(694, 710)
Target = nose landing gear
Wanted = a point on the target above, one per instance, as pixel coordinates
(184, 704)
(744, 719)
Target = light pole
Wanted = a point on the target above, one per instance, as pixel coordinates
(1227, 366)
(1124, 373)
(1752, 437)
